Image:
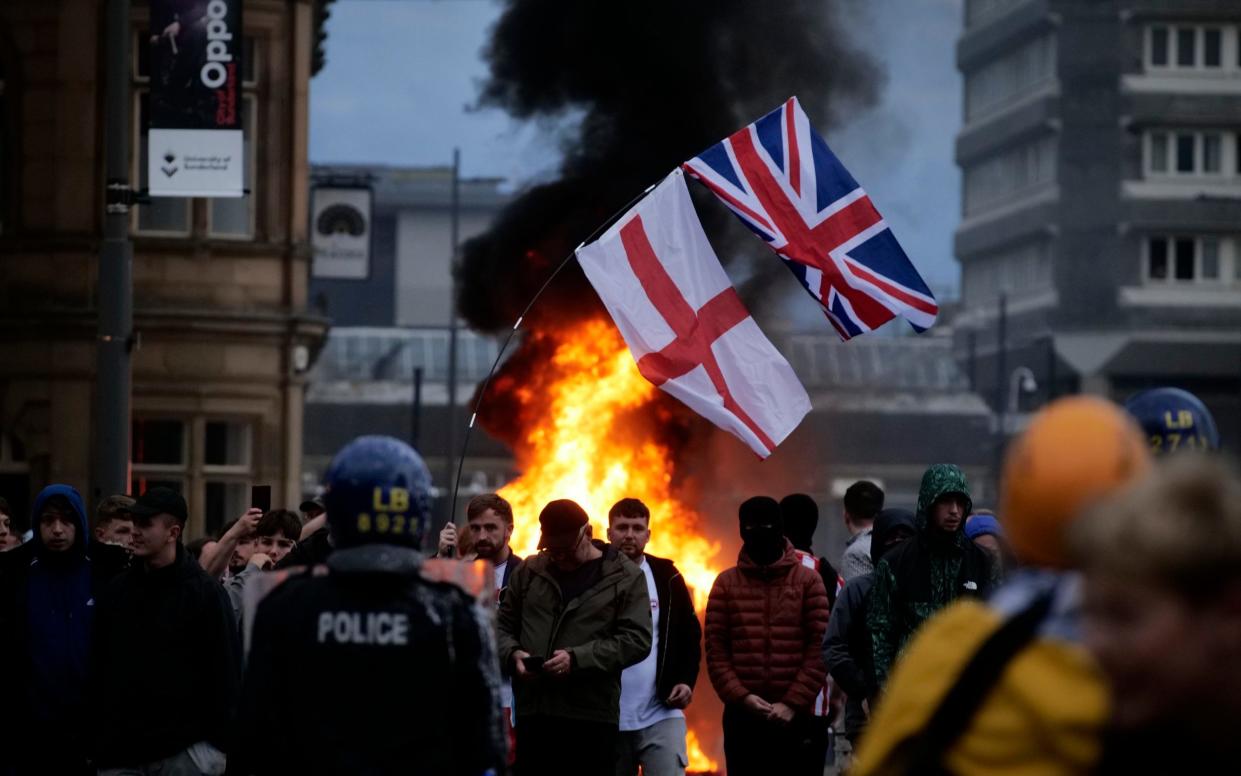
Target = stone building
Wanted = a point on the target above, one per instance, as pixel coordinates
(222, 335)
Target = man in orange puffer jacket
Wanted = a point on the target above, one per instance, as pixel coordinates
(765, 622)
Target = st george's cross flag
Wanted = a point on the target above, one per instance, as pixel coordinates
(781, 179)
(685, 324)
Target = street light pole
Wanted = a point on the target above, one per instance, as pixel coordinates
(115, 287)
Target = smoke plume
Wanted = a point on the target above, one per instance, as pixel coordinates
(654, 82)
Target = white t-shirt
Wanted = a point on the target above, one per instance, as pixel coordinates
(500, 569)
(640, 706)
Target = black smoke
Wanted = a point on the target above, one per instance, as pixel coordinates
(654, 82)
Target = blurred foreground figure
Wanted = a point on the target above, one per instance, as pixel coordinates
(381, 662)
(1173, 420)
(1005, 686)
(1162, 614)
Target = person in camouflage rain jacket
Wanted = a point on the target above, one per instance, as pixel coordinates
(926, 574)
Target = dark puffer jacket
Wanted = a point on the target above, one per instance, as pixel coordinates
(765, 629)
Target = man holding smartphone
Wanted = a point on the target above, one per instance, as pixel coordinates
(573, 617)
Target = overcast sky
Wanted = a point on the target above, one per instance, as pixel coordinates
(401, 76)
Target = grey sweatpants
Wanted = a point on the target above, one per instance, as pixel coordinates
(659, 749)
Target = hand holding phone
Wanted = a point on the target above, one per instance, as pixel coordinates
(533, 663)
(260, 497)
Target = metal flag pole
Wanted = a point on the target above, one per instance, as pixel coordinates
(482, 392)
(451, 443)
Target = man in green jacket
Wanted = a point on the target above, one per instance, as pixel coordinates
(572, 618)
(930, 571)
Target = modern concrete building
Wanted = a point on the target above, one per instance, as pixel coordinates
(394, 322)
(222, 335)
(410, 282)
(1101, 155)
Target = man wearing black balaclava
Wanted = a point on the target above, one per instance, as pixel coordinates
(801, 519)
(765, 622)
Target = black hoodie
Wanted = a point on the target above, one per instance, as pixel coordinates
(847, 648)
(166, 661)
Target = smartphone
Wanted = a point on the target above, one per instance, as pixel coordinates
(533, 663)
(260, 497)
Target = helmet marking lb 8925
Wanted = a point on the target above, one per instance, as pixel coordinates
(378, 491)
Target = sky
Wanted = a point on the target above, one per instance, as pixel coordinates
(402, 75)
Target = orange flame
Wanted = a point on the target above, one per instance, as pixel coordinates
(585, 452)
(590, 447)
(698, 760)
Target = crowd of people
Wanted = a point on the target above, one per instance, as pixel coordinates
(1089, 624)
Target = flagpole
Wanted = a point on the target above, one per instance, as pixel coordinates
(482, 393)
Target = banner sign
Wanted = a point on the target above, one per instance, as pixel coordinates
(195, 140)
(340, 227)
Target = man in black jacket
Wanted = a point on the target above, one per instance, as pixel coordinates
(401, 650)
(847, 648)
(166, 657)
(654, 692)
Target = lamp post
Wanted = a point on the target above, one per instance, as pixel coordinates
(1019, 382)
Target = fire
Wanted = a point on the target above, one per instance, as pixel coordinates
(587, 451)
(593, 446)
(698, 760)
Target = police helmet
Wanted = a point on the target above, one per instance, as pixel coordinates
(378, 491)
(1173, 419)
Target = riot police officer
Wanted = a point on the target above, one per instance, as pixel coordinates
(1173, 420)
(375, 663)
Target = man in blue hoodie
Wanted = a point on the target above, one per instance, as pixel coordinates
(49, 587)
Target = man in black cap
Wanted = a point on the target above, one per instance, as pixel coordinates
(312, 508)
(315, 544)
(573, 617)
(172, 625)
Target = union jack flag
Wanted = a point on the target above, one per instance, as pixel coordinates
(784, 183)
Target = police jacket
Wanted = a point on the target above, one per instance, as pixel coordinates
(680, 635)
(166, 660)
(405, 678)
(605, 629)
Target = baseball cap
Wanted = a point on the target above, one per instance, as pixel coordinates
(312, 503)
(160, 501)
(560, 523)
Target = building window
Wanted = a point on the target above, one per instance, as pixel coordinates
(208, 460)
(1009, 175)
(1159, 47)
(1212, 45)
(1010, 77)
(233, 217)
(1188, 47)
(1184, 153)
(1186, 259)
(1025, 269)
(1185, 39)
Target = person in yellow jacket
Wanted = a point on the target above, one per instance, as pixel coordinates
(1005, 686)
